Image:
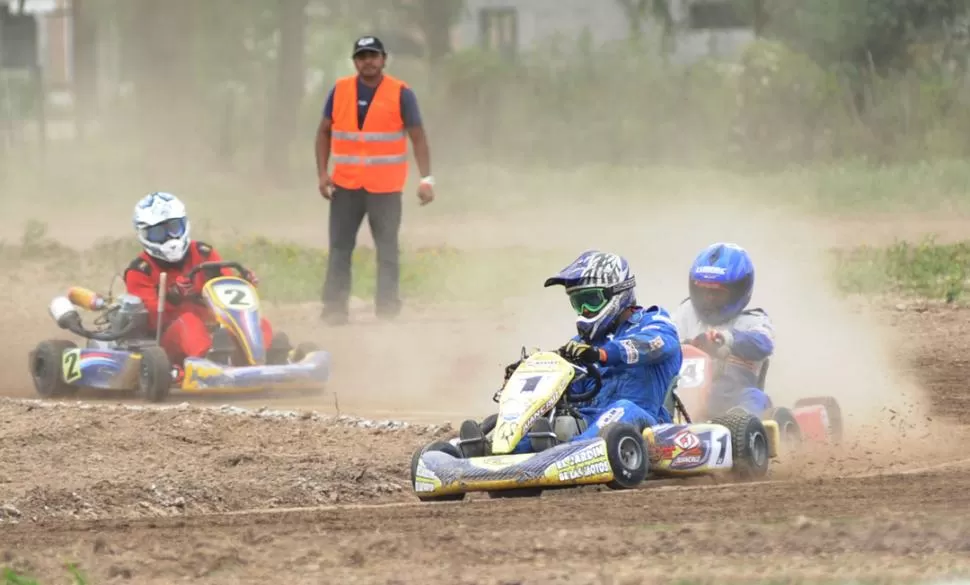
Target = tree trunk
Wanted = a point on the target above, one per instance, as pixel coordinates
(85, 64)
(287, 96)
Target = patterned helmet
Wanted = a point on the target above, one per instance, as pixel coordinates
(600, 287)
(162, 226)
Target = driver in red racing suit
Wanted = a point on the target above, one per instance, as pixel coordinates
(163, 230)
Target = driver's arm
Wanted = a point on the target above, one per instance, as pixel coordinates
(753, 336)
(140, 283)
(654, 341)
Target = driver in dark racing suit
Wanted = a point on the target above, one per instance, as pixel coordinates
(163, 230)
(637, 349)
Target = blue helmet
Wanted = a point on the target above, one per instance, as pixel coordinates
(600, 287)
(721, 282)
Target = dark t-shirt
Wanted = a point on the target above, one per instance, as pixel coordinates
(365, 95)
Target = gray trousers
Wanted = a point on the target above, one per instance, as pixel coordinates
(347, 211)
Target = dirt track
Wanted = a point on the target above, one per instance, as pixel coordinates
(225, 496)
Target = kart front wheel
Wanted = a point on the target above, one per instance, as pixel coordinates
(444, 447)
(627, 455)
(46, 364)
(749, 444)
(155, 374)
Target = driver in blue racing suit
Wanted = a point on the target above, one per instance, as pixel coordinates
(637, 350)
(714, 318)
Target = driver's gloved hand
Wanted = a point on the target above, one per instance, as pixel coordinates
(580, 352)
(251, 277)
(180, 289)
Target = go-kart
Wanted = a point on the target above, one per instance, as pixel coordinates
(813, 419)
(121, 353)
(534, 403)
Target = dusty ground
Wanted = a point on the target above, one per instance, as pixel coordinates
(223, 495)
(231, 496)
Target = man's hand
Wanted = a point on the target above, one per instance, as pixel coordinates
(326, 187)
(580, 352)
(251, 277)
(426, 191)
(715, 342)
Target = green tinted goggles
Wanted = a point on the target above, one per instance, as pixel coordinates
(589, 301)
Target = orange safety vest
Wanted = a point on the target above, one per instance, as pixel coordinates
(375, 157)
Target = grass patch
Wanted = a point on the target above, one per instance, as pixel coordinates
(927, 270)
(11, 577)
(290, 272)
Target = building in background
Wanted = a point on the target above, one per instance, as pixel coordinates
(701, 27)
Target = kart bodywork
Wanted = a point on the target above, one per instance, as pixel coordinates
(814, 419)
(122, 355)
(535, 397)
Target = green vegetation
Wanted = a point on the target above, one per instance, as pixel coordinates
(288, 272)
(292, 273)
(11, 577)
(926, 270)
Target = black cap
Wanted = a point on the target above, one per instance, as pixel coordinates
(365, 44)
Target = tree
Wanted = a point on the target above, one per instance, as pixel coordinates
(287, 93)
(639, 12)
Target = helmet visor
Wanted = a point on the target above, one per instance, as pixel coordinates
(588, 301)
(709, 297)
(165, 231)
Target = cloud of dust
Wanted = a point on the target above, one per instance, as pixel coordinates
(824, 346)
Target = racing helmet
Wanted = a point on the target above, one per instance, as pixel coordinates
(721, 282)
(600, 287)
(162, 226)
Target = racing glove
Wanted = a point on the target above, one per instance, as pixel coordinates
(180, 289)
(580, 352)
(251, 277)
(715, 341)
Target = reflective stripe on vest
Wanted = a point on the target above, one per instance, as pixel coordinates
(374, 157)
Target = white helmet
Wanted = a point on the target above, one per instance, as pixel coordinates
(162, 226)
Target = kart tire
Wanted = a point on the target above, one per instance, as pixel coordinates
(833, 410)
(154, 374)
(749, 444)
(46, 363)
(791, 433)
(279, 351)
(444, 447)
(627, 455)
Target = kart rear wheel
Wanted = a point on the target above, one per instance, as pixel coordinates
(46, 365)
(444, 447)
(155, 374)
(833, 410)
(749, 444)
(627, 455)
(791, 433)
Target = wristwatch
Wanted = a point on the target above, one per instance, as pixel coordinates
(429, 180)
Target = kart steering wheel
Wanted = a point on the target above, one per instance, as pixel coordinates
(591, 370)
(190, 275)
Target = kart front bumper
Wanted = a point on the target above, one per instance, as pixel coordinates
(568, 464)
(205, 376)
